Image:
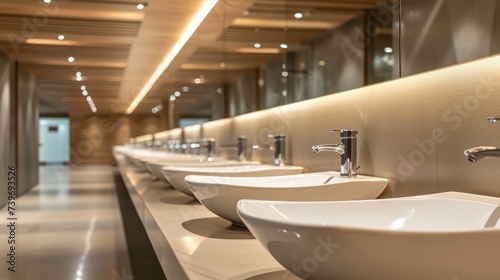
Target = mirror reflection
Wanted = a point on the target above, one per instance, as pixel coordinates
(440, 33)
(278, 52)
(312, 49)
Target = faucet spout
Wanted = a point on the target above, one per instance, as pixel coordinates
(477, 153)
(346, 149)
(338, 148)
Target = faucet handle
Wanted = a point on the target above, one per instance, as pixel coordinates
(493, 119)
(345, 132)
(277, 136)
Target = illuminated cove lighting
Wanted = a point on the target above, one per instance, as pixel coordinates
(208, 5)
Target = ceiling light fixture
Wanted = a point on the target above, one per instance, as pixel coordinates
(78, 74)
(79, 78)
(47, 1)
(197, 81)
(85, 93)
(172, 98)
(177, 93)
(83, 88)
(298, 15)
(284, 46)
(60, 37)
(388, 50)
(195, 22)
(71, 59)
(185, 89)
(89, 98)
(157, 108)
(257, 45)
(140, 6)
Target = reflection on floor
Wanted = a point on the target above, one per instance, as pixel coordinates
(69, 227)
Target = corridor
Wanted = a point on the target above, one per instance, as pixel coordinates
(68, 227)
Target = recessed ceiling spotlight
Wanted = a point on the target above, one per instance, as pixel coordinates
(140, 6)
(257, 45)
(197, 81)
(60, 37)
(85, 93)
(47, 1)
(284, 46)
(71, 59)
(284, 74)
(177, 93)
(78, 74)
(79, 78)
(172, 98)
(321, 63)
(83, 88)
(388, 50)
(298, 15)
(185, 89)
(219, 90)
(89, 98)
(222, 64)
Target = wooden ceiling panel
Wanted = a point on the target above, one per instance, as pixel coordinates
(117, 47)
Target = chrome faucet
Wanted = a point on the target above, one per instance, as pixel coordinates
(347, 150)
(477, 153)
(241, 146)
(279, 149)
(209, 144)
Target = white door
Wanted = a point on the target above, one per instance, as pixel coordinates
(54, 140)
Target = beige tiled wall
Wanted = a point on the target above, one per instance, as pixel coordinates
(412, 130)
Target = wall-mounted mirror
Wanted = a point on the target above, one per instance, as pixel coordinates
(271, 53)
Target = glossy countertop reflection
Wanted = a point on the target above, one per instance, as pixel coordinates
(68, 227)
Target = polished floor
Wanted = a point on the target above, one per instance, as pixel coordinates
(69, 227)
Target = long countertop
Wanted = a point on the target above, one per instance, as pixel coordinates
(190, 241)
(193, 243)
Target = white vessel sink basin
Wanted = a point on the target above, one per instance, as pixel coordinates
(171, 159)
(175, 175)
(401, 238)
(135, 156)
(155, 166)
(220, 194)
(140, 156)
